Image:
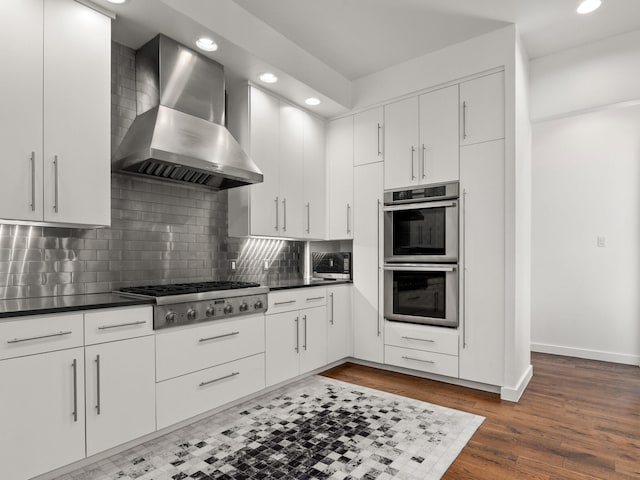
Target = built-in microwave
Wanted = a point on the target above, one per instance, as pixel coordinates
(421, 224)
(421, 293)
(331, 265)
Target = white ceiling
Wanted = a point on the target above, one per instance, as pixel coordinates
(318, 47)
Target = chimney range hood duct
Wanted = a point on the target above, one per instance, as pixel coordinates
(178, 134)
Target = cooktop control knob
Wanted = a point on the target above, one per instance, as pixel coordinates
(192, 314)
(210, 312)
(244, 307)
(228, 309)
(171, 317)
(258, 305)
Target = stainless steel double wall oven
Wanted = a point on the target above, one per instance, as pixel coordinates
(421, 255)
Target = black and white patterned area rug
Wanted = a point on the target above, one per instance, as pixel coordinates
(317, 428)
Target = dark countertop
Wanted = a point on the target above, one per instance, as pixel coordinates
(302, 283)
(65, 303)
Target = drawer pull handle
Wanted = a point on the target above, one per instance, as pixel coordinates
(204, 384)
(106, 327)
(285, 303)
(74, 366)
(219, 336)
(314, 298)
(420, 339)
(420, 360)
(98, 409)
(59, 334)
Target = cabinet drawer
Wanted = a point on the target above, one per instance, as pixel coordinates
(421, 337)
(117, 324)
(296, 298)
(186, 350)
(423, 361)
(30, 335)
(184, 397)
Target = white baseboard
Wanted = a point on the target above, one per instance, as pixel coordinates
(588, 354)
(514, 394)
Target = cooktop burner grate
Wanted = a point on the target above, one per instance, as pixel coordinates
(182, 288)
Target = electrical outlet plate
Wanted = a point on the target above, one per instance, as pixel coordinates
(233, 264)
(602, 241)
(266, 264)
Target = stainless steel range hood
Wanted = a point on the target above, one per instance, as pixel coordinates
(178, 135)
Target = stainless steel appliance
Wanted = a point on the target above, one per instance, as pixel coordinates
(331, 265)
(179, 134)
(421, 293)
(187, 303)
(421, 224)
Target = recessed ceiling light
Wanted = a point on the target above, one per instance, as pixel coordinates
(268, 78)
(312, 101)
(206, 44)
(588, 6)
(116, 1)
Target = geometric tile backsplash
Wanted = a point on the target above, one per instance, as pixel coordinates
(160, 233)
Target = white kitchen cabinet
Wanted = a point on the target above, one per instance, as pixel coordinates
(42, 398)
(421, 139)
(120, 381)
(367, 255)
(313, 338)
(482, 109)
(340, 324)
(483, 260)
(314, 181)
(291, 171)
(340, 178)
(57, 112)
(368, 136)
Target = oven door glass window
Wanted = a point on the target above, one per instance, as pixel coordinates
(420, 294)
(419, 232)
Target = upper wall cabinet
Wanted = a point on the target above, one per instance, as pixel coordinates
(482, 109)
(287, 144)
(368, 137)
(56, 113)
(421, 139)
(340, 184)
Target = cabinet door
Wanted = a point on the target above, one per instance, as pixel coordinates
(482, 109)
(367, 254)
(314, 182)
(340, 179)
(401, 144)
(481, 181)
(291, 171)
(21, 112)
(340, 326)
(282, 346)
(313, 338)
(439, 144)
(264, 131)
(120, 392)
(77, 114)
(368, 136)
(42, 398)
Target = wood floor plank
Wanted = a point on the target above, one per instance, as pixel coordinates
(578, 420)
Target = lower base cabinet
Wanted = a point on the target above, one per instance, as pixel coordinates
(42, 406)
(339, 323)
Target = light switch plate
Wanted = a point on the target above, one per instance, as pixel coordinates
(602, 241)
(233, 265)
(266, 264)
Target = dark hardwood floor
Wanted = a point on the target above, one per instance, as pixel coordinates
(578, 419)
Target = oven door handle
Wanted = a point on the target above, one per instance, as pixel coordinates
(419, 267)
(416, 206)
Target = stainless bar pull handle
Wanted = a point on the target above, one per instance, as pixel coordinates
(413, 174)
(209, 382)
(33, 181)
(420, 360)
(331, 296)
(464, 120)
(308, 217)
(27, 339)
(288, 302)
(379, 149)
(74, 365)
(348, 218)
(464, 268)
(118, 325)
(277, 213)
(420, 339)
(56, 162)
(284, 215)
(297, 321)
(424, 168)
(315, 298)
(207, 339)
(304, 345)
(378, 261)
(98, 384)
